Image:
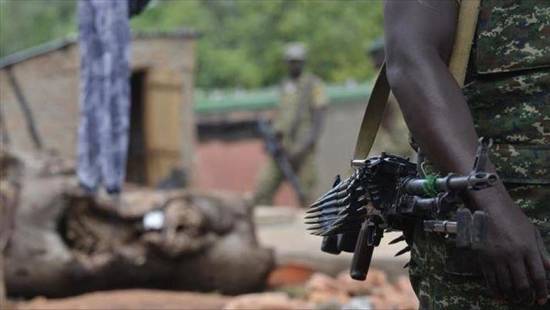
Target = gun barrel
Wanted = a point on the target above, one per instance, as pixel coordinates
(450, 183)
(446, 227)
(425, 204)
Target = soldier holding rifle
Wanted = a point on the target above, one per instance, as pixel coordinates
(505, 98)
(459, 70)
(298, 125)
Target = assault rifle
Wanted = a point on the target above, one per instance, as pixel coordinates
(385, 193)
(278, 153)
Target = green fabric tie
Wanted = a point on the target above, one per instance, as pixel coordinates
(430, 187)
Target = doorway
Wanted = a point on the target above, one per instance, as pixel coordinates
(136, 171)
(156, 129)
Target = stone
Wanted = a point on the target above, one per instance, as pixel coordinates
(359, 303)
(266, 301)
(390, 297)
(375, 279)
(322, 289)
(288, 275)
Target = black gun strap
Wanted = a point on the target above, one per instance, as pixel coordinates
(372, 117)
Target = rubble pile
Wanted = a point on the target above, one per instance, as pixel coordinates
(325, 292)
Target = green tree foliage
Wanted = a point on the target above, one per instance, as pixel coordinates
(26, 23)
(241, 41)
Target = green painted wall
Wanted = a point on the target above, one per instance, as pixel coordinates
(267, 98)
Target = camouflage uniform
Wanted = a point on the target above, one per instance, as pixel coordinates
(508, 94)
(294, 122)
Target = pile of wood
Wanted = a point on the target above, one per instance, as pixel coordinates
(66, 242)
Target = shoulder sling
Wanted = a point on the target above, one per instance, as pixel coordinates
(374, 112)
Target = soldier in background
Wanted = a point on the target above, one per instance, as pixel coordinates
(298, 123)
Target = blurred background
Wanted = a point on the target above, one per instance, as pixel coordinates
(202, 73)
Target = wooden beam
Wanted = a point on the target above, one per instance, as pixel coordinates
(25, 108)
(4, 136)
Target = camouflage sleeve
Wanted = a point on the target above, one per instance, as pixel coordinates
(318, 94)
(279, 122)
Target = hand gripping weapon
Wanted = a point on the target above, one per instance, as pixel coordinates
(277, 152)
(385, 193)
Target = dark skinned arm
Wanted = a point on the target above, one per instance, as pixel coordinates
(419, 40)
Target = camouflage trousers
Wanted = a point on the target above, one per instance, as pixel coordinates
(271, 178)
(440, 284)
(104, 41)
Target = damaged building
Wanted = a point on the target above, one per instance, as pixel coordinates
(207, 139)
(39, 108)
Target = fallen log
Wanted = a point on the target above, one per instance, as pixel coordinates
(66, 242)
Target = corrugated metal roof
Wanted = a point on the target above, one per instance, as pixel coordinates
(267, 98)
(34, 51)
(58, 44)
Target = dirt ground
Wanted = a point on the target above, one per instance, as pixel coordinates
(289, 290)
(137, 299)
(295, 284)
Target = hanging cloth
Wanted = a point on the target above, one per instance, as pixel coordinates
(104, 93)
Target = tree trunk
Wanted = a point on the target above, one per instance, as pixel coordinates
(66, 243)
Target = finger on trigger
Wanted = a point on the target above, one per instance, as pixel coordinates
(520, 279)
(491, 279)
(538, 277)
(504, 280)
(543, 251)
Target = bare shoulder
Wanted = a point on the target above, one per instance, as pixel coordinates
(420, 25)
